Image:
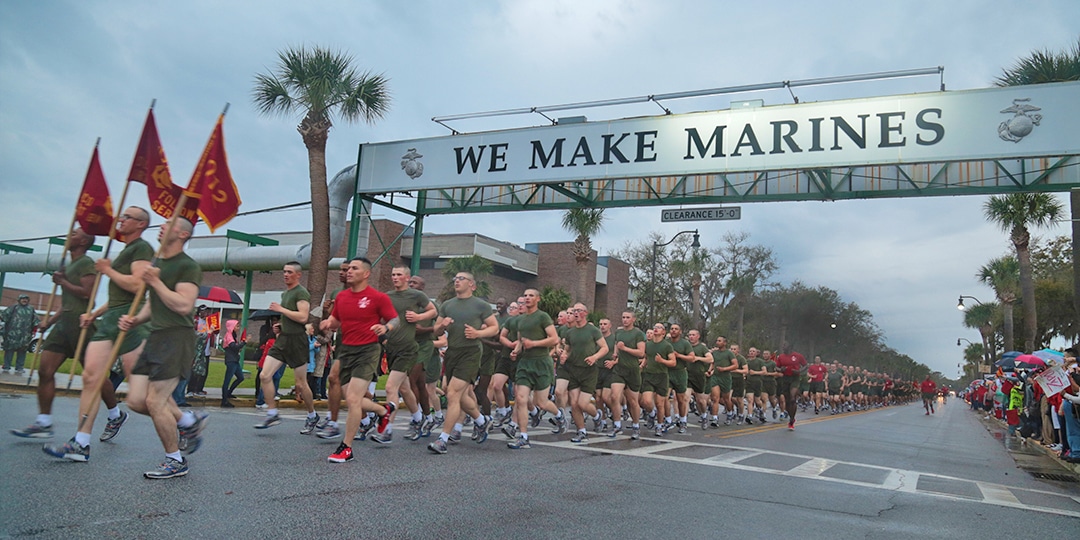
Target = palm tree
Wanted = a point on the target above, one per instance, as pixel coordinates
(980, 317)
(476, 265)
(1047, 67)
(584, 222)
(1014, 213)
(1003, 275)
(318, 83)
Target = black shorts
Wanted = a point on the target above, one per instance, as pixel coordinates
(168, 354)
(817, 386)
(292, 349)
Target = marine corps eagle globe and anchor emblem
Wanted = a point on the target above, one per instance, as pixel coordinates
(1022, 123)
(411, 164)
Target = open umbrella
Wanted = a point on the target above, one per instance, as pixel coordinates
(262, 314)
(1050, 355)
(219, 294)
(1006, 364)
(1029, 361)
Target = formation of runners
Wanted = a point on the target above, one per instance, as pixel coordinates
(507, 368)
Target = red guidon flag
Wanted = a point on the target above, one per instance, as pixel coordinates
(152, 169)
(94, 211)
(212, 184)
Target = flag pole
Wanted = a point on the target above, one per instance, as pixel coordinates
(97, 277)
(52, 295)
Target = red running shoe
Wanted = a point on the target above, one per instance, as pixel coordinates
(343, 454)
(384, 420)
(791, 425)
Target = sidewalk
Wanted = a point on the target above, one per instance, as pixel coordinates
(1016, 444)
(245, 397)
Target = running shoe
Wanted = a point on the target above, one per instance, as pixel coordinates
(791, 425)
(480, 433)
(604, 426)
(534, 419)
(774, 413)
(309, 425)
(328, 432)
(322, 422)
(364, 431)
(510, 431)
(455, 437)
(384, 420)
(635, 434)
(704, 423)
(581, 438)
(383, 438)
(615, 432)
(659, 430)
(34, 431)
(561, 424)
(169, 469)
(190, 438)
(269, 422)
(426, 425)
(414, 430)
(438, 446)
(71, 451)
(597, 424)
(682, 427)
(341, 455)
(112, 427)
(521, 443)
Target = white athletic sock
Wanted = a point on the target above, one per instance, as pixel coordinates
(444, 437)
(667, 419)
(365, 421)
(682, 419)
(636, 426)
(618, 423)
(389, 429)
(524, 436)
(559, 416)
(458, 426)
(480, 420)
(439, 415)
(176, 455)
(186, 420)
(271, 412)
(331, 423)
(82, 438)
(44, 420)
(312, 414)
(417, 416)
(534, 412)
(114, 413)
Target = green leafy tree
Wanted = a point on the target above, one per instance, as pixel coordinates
(1015, 213)
(476, 265)
(1051, 262)
(1003, 276)
(553, 300)
(981, 318)
(318, 84)
(584, 223)
(1047, 67)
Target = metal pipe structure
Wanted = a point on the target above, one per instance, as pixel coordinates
(240, 258)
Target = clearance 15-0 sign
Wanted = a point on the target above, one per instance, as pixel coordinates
(1028, 121)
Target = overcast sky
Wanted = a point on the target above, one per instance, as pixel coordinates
(74, 71)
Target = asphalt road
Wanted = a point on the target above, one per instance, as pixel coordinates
(888, 473)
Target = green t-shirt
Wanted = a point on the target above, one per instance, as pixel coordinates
(289, 301)
(610, 340)
(137, 250)
(770, 366)
(582, 343)
(652, 349)
(682, 346)
(464, 311)
(534, 326)
(755, 364)
(630, 338)
(427, 336)
(722, 359)
(407, 300)
(835, 379)
(179, 268)
(74, 273)
(699, 350)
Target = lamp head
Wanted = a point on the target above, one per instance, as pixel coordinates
(696, 243)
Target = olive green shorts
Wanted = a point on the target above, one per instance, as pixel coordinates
(697, 381)
(487, 361)
(583, 378)
(738, 386)
(677, 380)
(719, 380)
(505, 366)
(292, 349)
(462, 363)
(64, 338)
(535, 373)
(402, 357)
(655, 382)
(627, 375)
(753, 385)
(108, 330)
(784, 384)
(768, 386)
(603, 378)
(359, 362)
(168, 354)
(433, 367)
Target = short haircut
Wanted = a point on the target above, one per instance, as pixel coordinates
(296, 264)
(362, 260)
(406, 269)
(145, 215)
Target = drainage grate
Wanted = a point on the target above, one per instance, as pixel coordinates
(1054, 476)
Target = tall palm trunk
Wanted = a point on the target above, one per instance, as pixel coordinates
(695, 301)
(1074, 204)
(314, 133)
(1021, 239)
(1007, 324)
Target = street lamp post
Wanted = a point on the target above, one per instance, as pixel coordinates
(652, 272)
(959, 339)
(960, 302)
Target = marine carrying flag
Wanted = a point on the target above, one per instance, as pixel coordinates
(94, 210)
(152, 169)
(212, 184)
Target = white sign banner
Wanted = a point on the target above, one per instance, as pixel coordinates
(997, 123)
(1053, 380)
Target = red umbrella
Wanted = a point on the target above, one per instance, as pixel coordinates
(1030, 361)
(219, 294)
